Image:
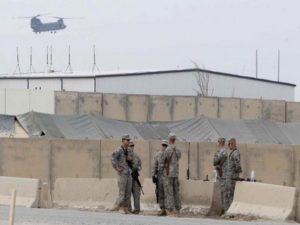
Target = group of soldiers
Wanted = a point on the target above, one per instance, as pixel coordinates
(228, 167)
(165, 171)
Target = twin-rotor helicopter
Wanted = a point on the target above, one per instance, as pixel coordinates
(38, 26)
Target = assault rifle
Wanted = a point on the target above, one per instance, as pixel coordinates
(135, 176)
(155, 181)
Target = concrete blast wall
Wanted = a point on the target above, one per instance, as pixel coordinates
(48, 160)
(142, 108)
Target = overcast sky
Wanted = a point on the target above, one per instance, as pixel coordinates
(220, 35)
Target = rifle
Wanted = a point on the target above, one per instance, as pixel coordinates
(135, 176)
(155, 181)
(135, 173)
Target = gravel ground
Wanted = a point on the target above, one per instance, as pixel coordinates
(27, 216)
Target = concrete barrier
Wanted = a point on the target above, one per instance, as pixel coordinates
(29, 158)
(251, 109)
(208, 107)
(161, 108)
(75, 158)
(197, 196)
(115, 106)
(193, 161)
(230, 108)
(205, 194)
(272, 163)
(90, 103)
(66, 103)
(85, 192)
(273, 110)
(292, 112)
(184, 108)
(264, 201)
(28, 191)
(138, 108)
(107, 148)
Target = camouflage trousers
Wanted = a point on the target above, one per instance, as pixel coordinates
(172, 193)
(224, 199)
(229, 192)
(136, 194)
(125, 186)
(161, 193)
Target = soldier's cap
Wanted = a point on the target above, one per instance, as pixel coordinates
(172, 135)
(125, 137)
(164, 142)
(131, 143)
(222, 140)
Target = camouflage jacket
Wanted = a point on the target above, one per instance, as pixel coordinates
(158, 164)
(119, 161)
(171, 158)
(234, 167)
(136, 161)
(220, 162)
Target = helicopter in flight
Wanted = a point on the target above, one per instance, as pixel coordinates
(38, 26)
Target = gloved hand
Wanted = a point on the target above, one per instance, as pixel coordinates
(154, 179)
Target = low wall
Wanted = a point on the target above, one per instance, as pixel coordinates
(264, 201)
(49, 159)
(85, 192)
(27, 191)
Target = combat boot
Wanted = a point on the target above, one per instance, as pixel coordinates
(162, 213)
(124, 210)
(135, 211)
(170, 213)
(115, 208)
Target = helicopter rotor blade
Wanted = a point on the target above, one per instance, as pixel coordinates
(30, 17)
(67, 18)
(23, 17)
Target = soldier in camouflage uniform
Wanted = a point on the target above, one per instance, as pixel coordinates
(220, 164)
(233, 170)
(136, 189)
(119, 162)
(157, 177)
(171, 158)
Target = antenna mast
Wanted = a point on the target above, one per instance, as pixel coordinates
(69, 67)
(95, 67)
(18, 69)
(31, 68)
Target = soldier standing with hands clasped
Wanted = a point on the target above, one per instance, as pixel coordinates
(233, 170)
(158, 178)
(171, 158)
(120, 162)
(220, 164)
